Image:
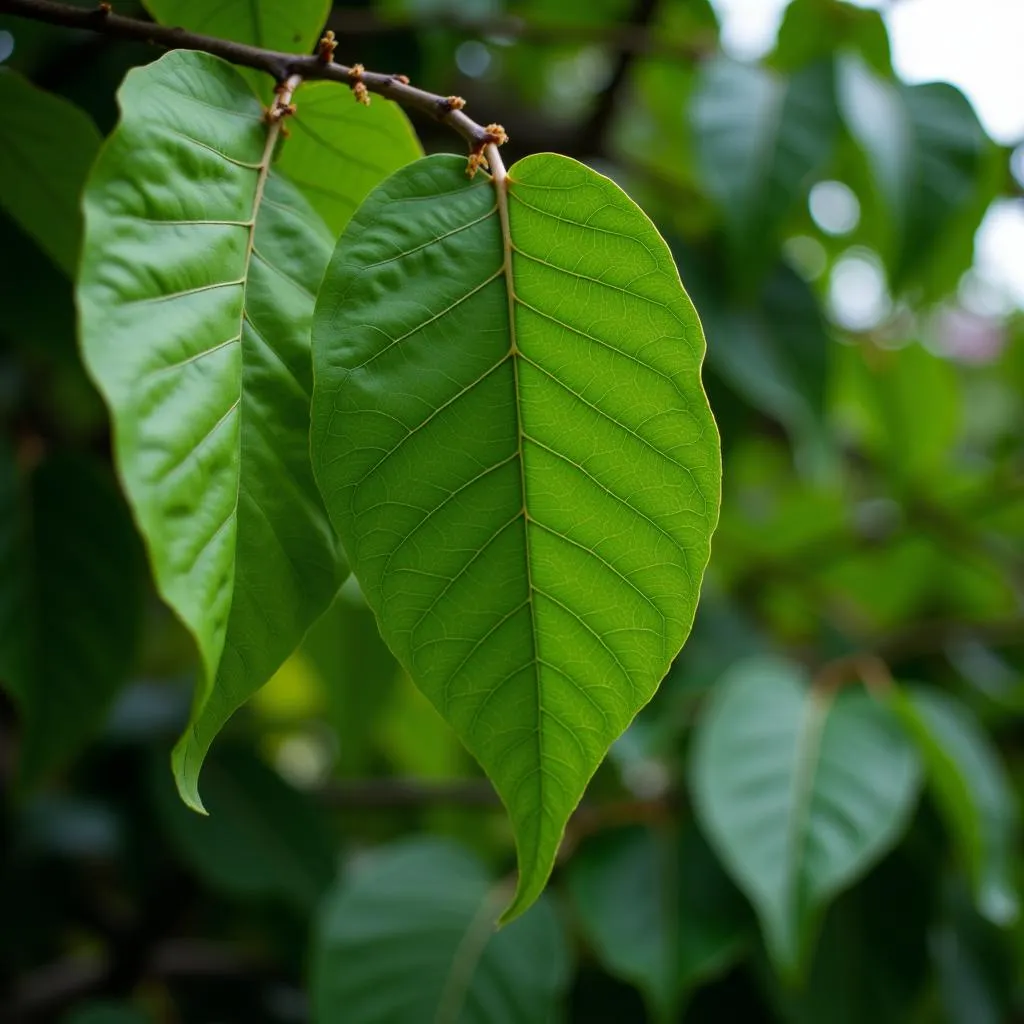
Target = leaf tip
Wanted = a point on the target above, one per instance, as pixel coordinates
(186, 777)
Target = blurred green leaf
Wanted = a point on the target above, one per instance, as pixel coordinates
(70, 601)
(289, 25)
(814, 30)
(761, 139)
(800, 791)
(195, 299)
(261, 838)
(658, 910)
(554, 356)
(973, 792)
(926, 150)
(905, 408)
(410, 937)
(46, 148)
(338, 150)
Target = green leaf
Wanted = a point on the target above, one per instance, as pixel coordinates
(196, 294)
(658, 911)
(813, 30)
(799, 791)
(262, 837)
(926, 151)
(105, 1012)
(410, 938)
(973, 792)
(337, 149)
(761, 139)
(289, 25)
(46, 148)
(520, 460)
(70, 601)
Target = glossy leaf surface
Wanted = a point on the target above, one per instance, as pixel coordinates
(46, 147)
(799, 792)
(410, 938)
(70, 601)
(196, 293)
(512, 439)
(972, 790)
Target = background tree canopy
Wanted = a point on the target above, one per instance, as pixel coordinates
(816, 817)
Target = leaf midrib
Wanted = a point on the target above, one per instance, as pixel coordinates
(501, 188)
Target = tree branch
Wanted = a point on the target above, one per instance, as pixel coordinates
(446, 109)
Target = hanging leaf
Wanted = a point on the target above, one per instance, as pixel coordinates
(337, 149)
(46, 147)
(410, 937)
(196, 293)
(761, 138)
(973, 792)
(512, 439)
(799, 791)
(658, 911)
(289, 25)
(70, 597)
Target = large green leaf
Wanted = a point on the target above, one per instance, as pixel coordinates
(337, 149)
(926, 151)
(46, 148)
(71, 580)
(800, 791)
(261, 839)
(511, 435)
(196, 294)
(290, 25)
(410, 938)
(760, 139)
(659, 911)
(972, 790)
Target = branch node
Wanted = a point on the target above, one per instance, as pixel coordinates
(104, 9)
(494, 135)
(282, 106)
(326, 47)
(403, 79)
(455, 103)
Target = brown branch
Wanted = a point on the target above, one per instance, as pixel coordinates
(281, 66)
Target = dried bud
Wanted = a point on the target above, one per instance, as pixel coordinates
(362, 94)
(456, 103)
(496, 134)
(475, 161)
(326, 47)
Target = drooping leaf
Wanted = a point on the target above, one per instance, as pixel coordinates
(410, 938)
(262, 837)
(337, 149)
(196, 294)
(289, 25)
(926, 151)
(760, 139)
(512, 439)
(46, 148)
(973, 792)
(658, 910)
(71, 579)
(799, 791)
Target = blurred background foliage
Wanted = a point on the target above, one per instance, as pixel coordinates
(815, 820)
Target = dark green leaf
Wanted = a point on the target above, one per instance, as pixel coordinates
(512, 439)
(197, 289)
(70, 597)
(658, 910)
(800, 791)
(410, 938)
(973, 792)
(46, 148)
(262, 837)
